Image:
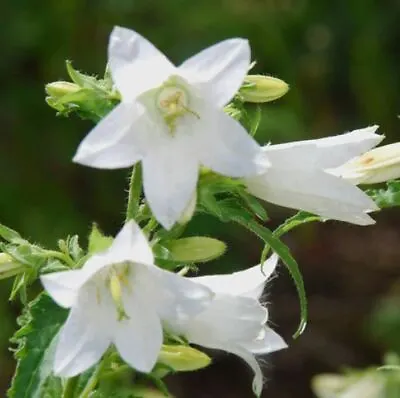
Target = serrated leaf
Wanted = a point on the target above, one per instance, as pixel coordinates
(98, 242)
(231, 211)
(253, 204)
(195, 249)
(386, 197)
(39, 325)
(11, 236)
(302, 217)
(74, 249)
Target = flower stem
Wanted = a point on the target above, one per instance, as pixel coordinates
(93, 380)
(69, 387)
(135, 190)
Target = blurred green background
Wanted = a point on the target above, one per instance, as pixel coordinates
(341, 60)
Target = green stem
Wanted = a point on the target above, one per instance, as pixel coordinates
(61, 256)
(135, 191)
(93, 380)
(69, 387)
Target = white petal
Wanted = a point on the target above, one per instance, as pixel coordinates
(119, 140)
(131, 244)
(63, 286)
(225, 146)
(324, 152)
(170, 176)
(138, 339)
(314, 191)
(83, 339)
(136, 65)
(268, 341)
(242, 283)
(219, 70)
(176, 297)
(227, 318)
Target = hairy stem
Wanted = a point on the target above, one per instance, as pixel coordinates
(135, 190)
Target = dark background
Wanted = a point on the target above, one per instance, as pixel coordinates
(341, 60)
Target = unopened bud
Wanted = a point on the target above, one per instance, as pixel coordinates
(8, 267)
(183, 358)
(59, 89)
(378, 165)
(259, 88)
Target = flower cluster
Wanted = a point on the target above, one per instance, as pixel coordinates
(179, 128)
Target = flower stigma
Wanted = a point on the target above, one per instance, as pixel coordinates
(173, 101)
(117, 280)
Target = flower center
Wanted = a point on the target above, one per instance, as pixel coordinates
(117, 280)
(173, 101)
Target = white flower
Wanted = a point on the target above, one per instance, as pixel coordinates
(119, 297)
(300, 177)
(171, 118)
(378, 165)
(235, 321)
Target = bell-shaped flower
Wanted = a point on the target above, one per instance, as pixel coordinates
(235, 321)
(300, 176)
(378, 165)
(172, 120)
(119, 297)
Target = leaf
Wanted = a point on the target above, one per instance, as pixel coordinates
(253, 204)
(39, 325)
(386, 197)
(98, 242)
(11, 236)
(195, 249)
(230, 210)
(79, 78)
(74, 249)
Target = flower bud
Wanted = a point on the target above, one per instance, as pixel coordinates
(8, 267)
(183, 358)
(59, 89)
(259, 88)
(378, 165)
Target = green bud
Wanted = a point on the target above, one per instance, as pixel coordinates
(259, 88)
(196, 249)
(183, 358)
(8, 267)
(59, 89)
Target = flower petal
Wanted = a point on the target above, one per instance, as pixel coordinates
(219, 70)
(136, 65)
(170, 176)
(83, 339)
(176, 297)
(242, 283)
(139, 338)
(314, 191)
(63, 286)
(323, 153)
(268, 341)
(227, 318)
(225, 146)
(112, 143)
(130, 245)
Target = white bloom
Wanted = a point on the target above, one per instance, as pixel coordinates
(378, 165)
(119, 297)
(300, 176)
(171, 118)
(235, 321)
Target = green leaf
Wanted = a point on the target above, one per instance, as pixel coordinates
(302, 217)
(386, 197)
(11, 236)
(39, 325)
(74, 249)
(98, 242)
(230, 210)
(253, 204)
(195, 249)
(79, 78)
